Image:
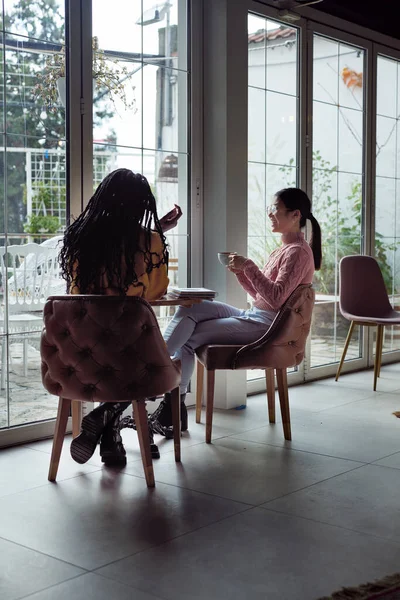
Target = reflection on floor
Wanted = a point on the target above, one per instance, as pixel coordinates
(249, 516)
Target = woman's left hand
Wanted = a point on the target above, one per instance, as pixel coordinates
(236, 262)
(170, 220)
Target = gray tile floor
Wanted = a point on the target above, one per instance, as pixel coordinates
(249, 516)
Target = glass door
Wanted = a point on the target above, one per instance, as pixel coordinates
(139, 63)
(387, 187)
(140, 107)
(273, 131)
(32, 196)
(338, 188)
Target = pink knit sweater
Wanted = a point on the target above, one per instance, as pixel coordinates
(288, 266)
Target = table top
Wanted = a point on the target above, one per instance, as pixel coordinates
(169, 300)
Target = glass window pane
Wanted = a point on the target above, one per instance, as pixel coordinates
(387, 187)
(351, 70)
(164, 95)
(350, 147)
(386, 146)
(257, 29)
(164, 32)
(386, 97)
(118, 30)
(34, 106)
(257, 199)
(28, 400)
(325, 70)
(256, 125)
(40, 20)
(282, 59)
(338, 148)
(325, 136)
(281, 128)
(272, 127)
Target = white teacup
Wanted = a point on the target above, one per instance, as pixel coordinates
(223, 257)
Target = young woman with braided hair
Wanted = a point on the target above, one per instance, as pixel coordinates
(291, 264)
(116, 247)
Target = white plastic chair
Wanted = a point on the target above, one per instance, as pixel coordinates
(31, 273)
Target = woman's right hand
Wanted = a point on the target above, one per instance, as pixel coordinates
(170, 220)
(236, 262)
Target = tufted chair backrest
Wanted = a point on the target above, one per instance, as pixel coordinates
(284, 343)
(104, 348)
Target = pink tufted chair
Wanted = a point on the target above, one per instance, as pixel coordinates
(106, 349)
(282, 346)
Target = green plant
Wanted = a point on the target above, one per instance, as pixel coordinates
(42, 224)
(341, 233)
(44, 195)
(45, 199)
(106, 72)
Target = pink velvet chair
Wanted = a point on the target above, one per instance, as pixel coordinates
(282, 346)
(106, 349)
(363, 300)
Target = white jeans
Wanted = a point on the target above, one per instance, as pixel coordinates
(210, 322)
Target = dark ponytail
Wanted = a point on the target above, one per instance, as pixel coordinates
(296, 199)
(315, 241)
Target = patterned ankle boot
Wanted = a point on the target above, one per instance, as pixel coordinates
(112, 450)
(93, 425)
(161, 418)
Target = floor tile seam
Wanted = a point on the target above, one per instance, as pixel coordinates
(47, 483)
(300, 450)
(180, 487)
(132, 588)
(311, 485)
(49, 587)
(203, 442)
(338, 406)
(136, 587)
(373, 464)
(335, 525)
(60, 560)
(169, 540)
(383, 457)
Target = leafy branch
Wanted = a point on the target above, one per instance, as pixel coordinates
(107, 73)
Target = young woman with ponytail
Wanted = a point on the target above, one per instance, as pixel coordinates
(291, 264)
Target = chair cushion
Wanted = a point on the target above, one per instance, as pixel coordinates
(281, 347)
(104, 348)
(391, 317)
(216, 356)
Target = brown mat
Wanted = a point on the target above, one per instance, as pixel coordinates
(387, 588)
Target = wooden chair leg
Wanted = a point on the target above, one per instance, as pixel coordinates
(76, 412)
(346, 345)
(176, 422)
(210, 404)
(281, 377)
(199, 390)
(59, 433)
(269, 376)
(381, 349)
(142, 428)
(378, 343)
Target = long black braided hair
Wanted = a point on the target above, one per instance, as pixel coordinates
(101, 244)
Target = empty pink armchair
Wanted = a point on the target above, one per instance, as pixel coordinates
(282, 346)
(363, 300)
(106, 349)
